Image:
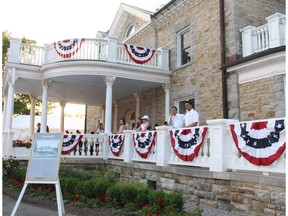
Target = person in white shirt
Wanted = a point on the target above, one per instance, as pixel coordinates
(192, 117)
(176, 119)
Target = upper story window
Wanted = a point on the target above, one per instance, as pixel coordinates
(130, 30)
(183, 47)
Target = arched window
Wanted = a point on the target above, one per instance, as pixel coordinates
(130, 30)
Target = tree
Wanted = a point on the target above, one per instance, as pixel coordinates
(22, 102)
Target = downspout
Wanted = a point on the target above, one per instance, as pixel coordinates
(223, 58)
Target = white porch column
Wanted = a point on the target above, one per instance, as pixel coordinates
(221, 143)
(166, 88)
(115, 115)
(137, 96)
(109, 80)
(7, 139)
(33, 99)
(46, 85)
(4, 110)
(128, 148)
(112, 50)
(164, 58)
(62, 105)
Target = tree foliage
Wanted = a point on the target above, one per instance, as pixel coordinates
(22, 102)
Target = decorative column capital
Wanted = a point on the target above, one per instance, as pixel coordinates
(109, 80)
(46, 83)
(137, 95)
(166, 86)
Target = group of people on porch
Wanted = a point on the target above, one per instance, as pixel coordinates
(176, 120)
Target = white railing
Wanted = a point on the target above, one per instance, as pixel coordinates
(91, 49)
(270, 35)
(31, 54)
(218, 152)
(123, 57)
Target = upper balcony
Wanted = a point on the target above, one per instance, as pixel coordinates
(270, 35)
(83, 49)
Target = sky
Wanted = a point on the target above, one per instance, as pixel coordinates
(53, 20)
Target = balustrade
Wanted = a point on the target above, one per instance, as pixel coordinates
(88, 49)
(218, 151)
(267, 36)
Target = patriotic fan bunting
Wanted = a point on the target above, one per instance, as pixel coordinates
(261, 143)
(143, 142)
(116, 142)
(186, 143)
(70, 142)
(139, 55)
(68, 48)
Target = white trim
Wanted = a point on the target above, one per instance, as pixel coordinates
(260, 68)
(178, 44)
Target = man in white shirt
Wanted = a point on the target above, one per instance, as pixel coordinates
(192, 117)
(175, 120)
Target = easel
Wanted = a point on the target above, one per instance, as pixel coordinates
(45, 147)
(60, 204)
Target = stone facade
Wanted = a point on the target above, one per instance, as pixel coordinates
(201, 79)
(250, 193)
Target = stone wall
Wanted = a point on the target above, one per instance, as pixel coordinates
(94, 115)
(262, 99)
(251, 193)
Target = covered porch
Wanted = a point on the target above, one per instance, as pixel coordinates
(83, 71)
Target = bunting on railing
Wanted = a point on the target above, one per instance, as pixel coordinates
(186, 142)
(116, 142)
(70, 142)
(261, 143)
(69, 47)
(143, 142)
(139, 55)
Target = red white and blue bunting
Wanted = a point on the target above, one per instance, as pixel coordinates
(186, 142)
(70, 142)
(68, 48)
(115, 143)
(143, 142)
(139, 55)
(261, 143)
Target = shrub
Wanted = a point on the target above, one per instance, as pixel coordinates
(70, 186)
(95, 188)
(8, 166)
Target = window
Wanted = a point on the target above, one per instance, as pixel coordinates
(183, 47)
(181, 105)
(130, 30)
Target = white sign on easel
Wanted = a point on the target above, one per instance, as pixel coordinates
(43, 166)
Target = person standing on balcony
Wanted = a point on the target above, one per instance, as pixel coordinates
(99, 129)
(38, 127)
(176, 120)
(122, 126)
(145, 123)
(192, 117)
(138, 123)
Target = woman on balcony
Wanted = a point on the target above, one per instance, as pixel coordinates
(122, 126)
(145, 123)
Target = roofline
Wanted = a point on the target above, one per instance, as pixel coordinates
(163, 8)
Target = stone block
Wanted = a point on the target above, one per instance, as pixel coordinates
(220, 189)
(239, 207)
(278, 198)
(262, 195)
(268, 211)
(153, 176)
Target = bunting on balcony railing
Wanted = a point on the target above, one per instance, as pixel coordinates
(139, 55)
(186, 142)
(143, 142)
(261, 143)
(68, 48)
(116, 142)
(70, 142)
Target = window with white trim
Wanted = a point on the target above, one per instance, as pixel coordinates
(183, 47)
(130, 30)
